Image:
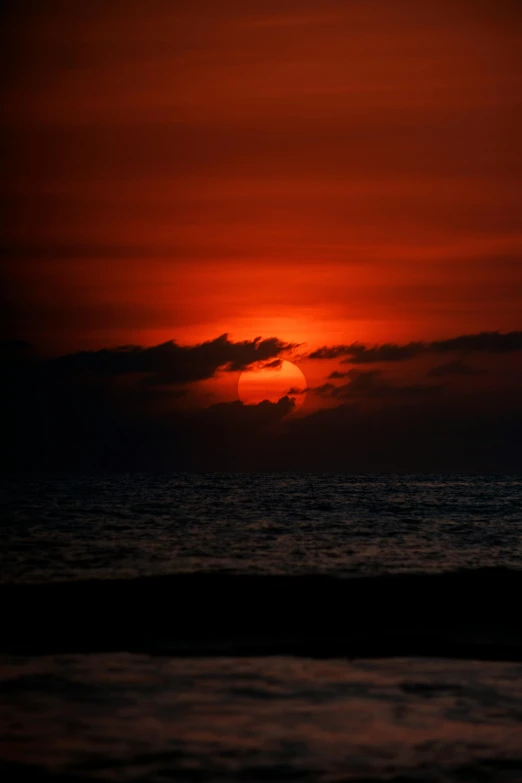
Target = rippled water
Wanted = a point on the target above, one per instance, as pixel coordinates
(66, 528)
(132, 718)
(138, 718)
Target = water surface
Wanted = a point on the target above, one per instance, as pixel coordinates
(126, 715)
(63, 528)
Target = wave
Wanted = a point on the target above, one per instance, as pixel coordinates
(463, 614)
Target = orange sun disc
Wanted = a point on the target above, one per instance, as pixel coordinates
(272, 383)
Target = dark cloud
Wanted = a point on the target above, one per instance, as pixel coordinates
(230, 436)
(325, 390)
(453, 368)
(16, 353)
(443, 436)
(485, 342)
(358, 353)
(336, 375)
(170, 363)
(86, 421)
(273, 365)
(331, 352)
(370, 385)
(388, 352)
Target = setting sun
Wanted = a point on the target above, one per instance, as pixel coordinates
(271, 382)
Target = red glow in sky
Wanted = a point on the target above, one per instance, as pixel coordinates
(320, 172)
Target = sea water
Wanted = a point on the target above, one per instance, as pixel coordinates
(127, 716)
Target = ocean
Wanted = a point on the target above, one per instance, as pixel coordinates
(253, 627)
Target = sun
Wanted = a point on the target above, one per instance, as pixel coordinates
(271, 382)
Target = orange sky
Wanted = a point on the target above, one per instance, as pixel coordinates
(322, 172)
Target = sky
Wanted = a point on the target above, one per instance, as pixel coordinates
(229, 185)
